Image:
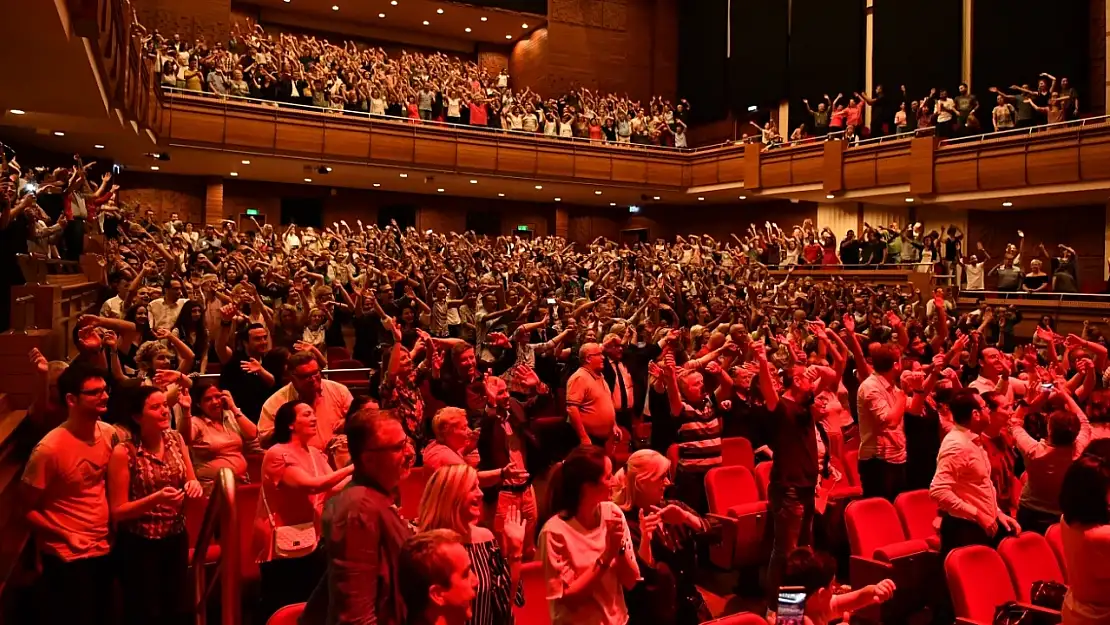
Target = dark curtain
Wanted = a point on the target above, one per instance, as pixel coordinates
(1034, 37)
(919, 45)
(826, 53)
(757, 69)
(702, 71)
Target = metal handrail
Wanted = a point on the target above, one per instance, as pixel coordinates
(177, 93)
(1041, 296)
(1018, 132)
(221, 510)
(326, 373)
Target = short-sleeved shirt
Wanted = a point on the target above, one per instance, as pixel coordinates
(698, 437)
(330, 407)
(70, 473)
(589, 393)
(278, 505)
(879, 438)
(214, 448)
(437, 455)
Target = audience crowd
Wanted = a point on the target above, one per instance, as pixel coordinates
(605, 374)
(350, 78)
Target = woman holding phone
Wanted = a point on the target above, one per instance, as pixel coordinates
(217, 433)
(586, 549)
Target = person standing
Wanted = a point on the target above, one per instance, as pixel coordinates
(962, 487)
(590, 401)
(64, 494)
(882, 407)
(329, 400)
(363, 530)
(437, 579)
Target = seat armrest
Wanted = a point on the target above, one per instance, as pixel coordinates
(1042, 616)
(966, 621)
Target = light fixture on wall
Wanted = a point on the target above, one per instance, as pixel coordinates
(524, 25)
(377, 184)
(473, 182)
(234, 174)
(743, 197)
(335, 7)
(439, 190)
(830, 196)
(246, 162)
(467, 29)
(440, 11)
(597, 192)
(508, 36)
(558, 199)
(17, 112)
(612, 203)
(154, 168)
(909, 200)
(539, 187)
(1007, 204)
(99, 146)
(656, 198)
(59, 133)
(485, 19)
(404, 175)
(426, 22)
(382, 15)
(500, 195)
(701, 199)
(308, 179)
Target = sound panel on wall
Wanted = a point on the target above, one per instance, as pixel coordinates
(919, 45)
(1031, 37)
(757, 69)
(826, 52)
(702, 62)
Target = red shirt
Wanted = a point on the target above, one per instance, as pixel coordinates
(478, 115)
(811, 253)
(855, 115)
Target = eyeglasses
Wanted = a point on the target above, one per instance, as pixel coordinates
(403, 446)
(308, 376)
(94, 392)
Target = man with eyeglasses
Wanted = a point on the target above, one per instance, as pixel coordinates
(363, 530)
(590, 400)
(66, 503)
(330, 400)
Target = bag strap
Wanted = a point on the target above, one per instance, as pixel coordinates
(266, 504)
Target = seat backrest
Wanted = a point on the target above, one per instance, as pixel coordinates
(287, 615)
(535, 608)
(246, 506)
(763, 477)
(1029, 559)
(737, 450)
(726, 487)
(872, 523)
(1056, 541)
(744, 618)
(336, 354)
(412, 487)
(851, 466)
(978, 582)
(918, 513)
(672, 456)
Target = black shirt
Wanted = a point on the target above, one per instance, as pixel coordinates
(850, 252)
(248, 390)
(793, 439)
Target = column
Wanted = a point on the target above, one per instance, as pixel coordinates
(1106, 231)
(965, 56)
(868, 56)
(213, 210)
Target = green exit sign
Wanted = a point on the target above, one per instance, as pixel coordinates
(252, 211)
(523, 228)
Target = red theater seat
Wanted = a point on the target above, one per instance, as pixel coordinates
(1056, 541)
(1029, 559)
(918, 513)
(534, 611)
(734, 499)
(763, 478)
(412, 487)
(287, 615)
(336, 354)
(737, 451)
(978, 582)
(353, 377)
(744, 618)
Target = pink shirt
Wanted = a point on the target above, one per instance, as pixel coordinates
(279, 505)
(855, 114)
(1086, 552)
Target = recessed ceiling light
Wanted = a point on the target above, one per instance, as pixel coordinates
(335, 7)
(485, 19)
(287, 1)
(381, 14)
(59, 133)
(524, 25)
(830, 196)
(440, 11)
(18, 112)
(234, 173)
(508, 36)
(394, 3)
(404, 175)
(558, 199)
(439, 190)
(327, 169)
(909, 200)
(246, 162)
(500, 195)
(612, 203)
(99, 146)
(701, 199)
(743, 197)
(377, 184)
(153, 168)
(308, 179)
(473, 182)
(1007, 204)
(656, 197)
(539, 186)
(426, 22)
(597, 192)
(467, 29)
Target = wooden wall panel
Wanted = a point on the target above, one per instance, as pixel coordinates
(516, 160)
(251, 132)
(893, 168)
(730, 168)
(1002, 170)
(859, 173)
(1094, 159)
(197, 126)
(776, 174)
(630, 170)
(1052, 165)
(392, 147)
(554, 163)
(476, 155)
(664, 174)
(832, 166)
(304, 137)
(753, 166)
(703, 173)
(596, 167)
(922, 151)
(349, 143)
(435, 152)
(954, 175)
(807, 170)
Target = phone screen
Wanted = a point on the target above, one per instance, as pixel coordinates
(792, 606)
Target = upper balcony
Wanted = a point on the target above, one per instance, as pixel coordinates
(1060, 159)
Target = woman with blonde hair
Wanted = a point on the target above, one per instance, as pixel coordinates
(452, 500)
(666, 533)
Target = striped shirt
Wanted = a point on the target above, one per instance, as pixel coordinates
(494, 597)
(699, 437)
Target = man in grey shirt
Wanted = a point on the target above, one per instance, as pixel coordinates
(1009, 276)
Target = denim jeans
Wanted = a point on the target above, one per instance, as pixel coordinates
(790, 524)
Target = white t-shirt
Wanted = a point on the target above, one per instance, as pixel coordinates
(453, 107)
(974, 273)
(163, 315)
(567, 551)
